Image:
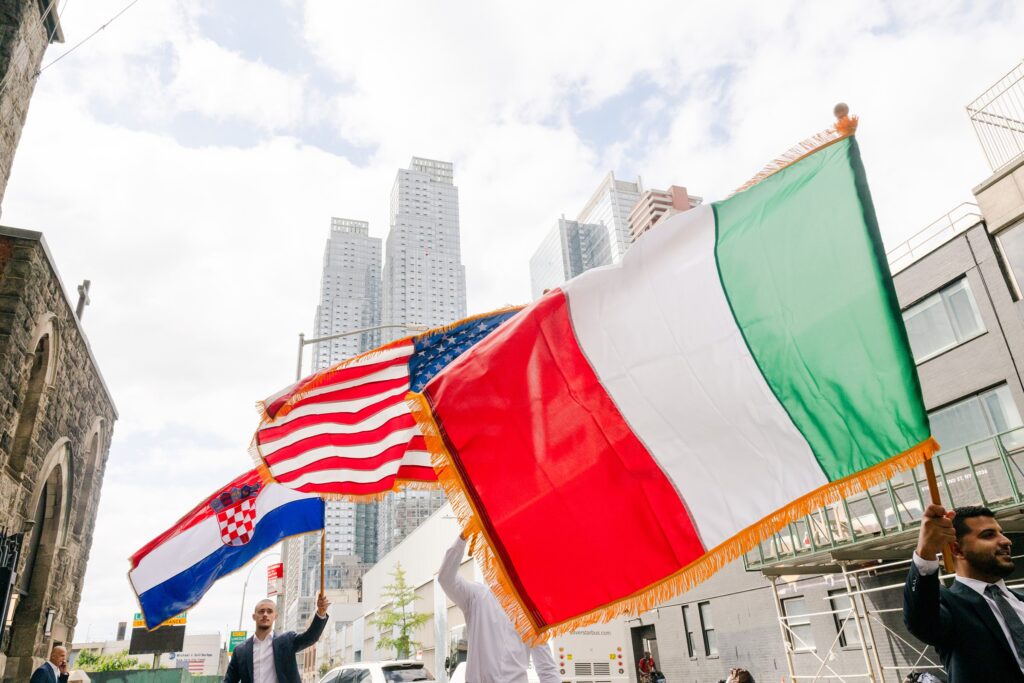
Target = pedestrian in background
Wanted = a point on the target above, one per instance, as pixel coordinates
(738, 675)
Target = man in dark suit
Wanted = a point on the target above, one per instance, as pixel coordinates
(269, 657)
(54, 670)
(977, 624)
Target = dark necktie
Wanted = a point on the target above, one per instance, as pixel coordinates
(1010, 616)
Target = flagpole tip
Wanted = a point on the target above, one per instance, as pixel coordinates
(845, 124)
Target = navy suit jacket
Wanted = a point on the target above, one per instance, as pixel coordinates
(961, 626)
(45, 674)
(285, 646)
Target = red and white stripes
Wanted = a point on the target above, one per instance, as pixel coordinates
(351, 434)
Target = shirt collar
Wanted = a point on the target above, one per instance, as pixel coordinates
(980, 586)
(269, 638)
(54, 667)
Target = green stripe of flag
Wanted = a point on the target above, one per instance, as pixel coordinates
(801, 263)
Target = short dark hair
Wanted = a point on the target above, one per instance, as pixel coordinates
(967, 512)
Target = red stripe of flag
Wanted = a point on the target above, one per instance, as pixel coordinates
(561, 500)
(368, 437)
(270, 434)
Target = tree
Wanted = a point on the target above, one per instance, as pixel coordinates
(397, 620)
(88, 660)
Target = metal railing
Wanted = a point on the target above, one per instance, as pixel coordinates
(998, 119)
(988, 472)
(933, 236)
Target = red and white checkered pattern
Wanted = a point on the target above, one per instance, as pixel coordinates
(237, 523)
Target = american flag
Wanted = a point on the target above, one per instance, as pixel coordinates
(347, 430)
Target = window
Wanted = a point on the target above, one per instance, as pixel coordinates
(942, 321)
(843, 616)
(688, 628)
(707, 627)
(799, 624)
(1011, 245)
(975, 418)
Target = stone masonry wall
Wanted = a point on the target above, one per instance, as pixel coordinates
(23, 40)
(74, 406)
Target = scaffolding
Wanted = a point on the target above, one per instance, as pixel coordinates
(869, 538)
(870, 625)
(998, 119)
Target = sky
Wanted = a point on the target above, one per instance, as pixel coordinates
(188, 159)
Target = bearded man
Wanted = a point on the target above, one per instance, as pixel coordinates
(977, 624)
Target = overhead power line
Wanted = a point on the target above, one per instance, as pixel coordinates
(88, 37)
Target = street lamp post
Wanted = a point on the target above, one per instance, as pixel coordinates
(245, 586)
(303, 341)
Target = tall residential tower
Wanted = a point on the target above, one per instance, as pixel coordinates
(424, 283)
(349, 300)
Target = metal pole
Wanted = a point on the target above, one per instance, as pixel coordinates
(872, 645)
(856, 620)
(782, 630)
(298, 364)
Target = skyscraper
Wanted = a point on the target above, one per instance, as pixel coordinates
(349, 300)
(610, 206)
(569, 249)
(424, 283)
(424, 279)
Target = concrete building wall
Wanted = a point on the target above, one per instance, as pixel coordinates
(26, 28)
(56, 422)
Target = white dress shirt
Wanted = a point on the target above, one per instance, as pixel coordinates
(496, 653)
(56, 671)
(928, 567)
(263, 670)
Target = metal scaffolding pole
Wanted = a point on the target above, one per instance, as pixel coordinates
(782, 632)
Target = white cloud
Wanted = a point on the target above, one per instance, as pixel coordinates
(205, 259)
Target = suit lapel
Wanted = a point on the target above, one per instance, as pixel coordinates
(984, 612)
(53, 674)
(251, 659)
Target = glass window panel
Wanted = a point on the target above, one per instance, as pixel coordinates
(800, 634)
(845, 625)
(963, 310)
(960, 424)
(928, 327)
(1011, 243)
(1002, 409)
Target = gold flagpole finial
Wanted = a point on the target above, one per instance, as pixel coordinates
(845, 124)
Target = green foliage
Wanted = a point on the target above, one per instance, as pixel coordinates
(90, 661)
(397, 620)
(324, 668)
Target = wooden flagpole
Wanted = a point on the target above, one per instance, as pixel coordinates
(323, 542)
(933, 491)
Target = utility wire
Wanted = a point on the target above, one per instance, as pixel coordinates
(88, 37)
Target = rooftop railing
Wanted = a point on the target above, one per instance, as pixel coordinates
(933, 236)
(998, 119)
(988, 472)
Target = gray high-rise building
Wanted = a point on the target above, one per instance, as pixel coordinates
(349, 300)
(424, 283)
(569, 249)
(424, 280)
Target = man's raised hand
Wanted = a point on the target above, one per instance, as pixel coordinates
(936, 531)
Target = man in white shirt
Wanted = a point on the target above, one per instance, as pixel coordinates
(55, 669)
(269, 657)
(977, 625)
(495, 652)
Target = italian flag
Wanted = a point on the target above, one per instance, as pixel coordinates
(627, 435)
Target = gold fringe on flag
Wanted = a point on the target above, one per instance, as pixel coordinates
(845, 126)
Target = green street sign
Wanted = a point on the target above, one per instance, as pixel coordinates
(236, 639)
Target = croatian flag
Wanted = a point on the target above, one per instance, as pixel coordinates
(220, 535)
(743, 366)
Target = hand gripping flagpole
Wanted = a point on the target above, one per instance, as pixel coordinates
(933, 491)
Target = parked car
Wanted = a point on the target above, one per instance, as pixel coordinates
(398, 671)
(459, 675)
